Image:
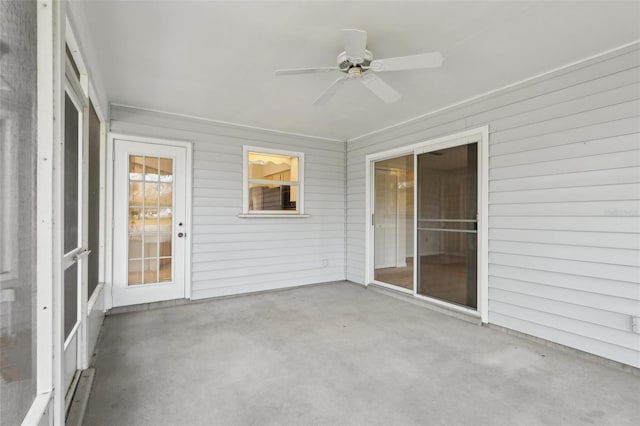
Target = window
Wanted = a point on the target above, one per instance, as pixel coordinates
(273, 182)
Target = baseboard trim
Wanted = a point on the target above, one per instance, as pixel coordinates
(147, 306)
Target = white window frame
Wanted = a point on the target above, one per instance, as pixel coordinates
(299, 212)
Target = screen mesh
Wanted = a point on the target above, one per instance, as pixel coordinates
(17, 209)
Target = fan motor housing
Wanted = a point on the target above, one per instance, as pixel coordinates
(345, 64)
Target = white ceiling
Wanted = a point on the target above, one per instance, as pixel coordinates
(216, 59)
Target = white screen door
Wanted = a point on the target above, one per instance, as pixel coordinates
(149, 222)
(74, 260)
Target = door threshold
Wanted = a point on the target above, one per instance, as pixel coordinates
(147, 306)
(393, 287)
(452, 311)
(80, 399)
(68, 397)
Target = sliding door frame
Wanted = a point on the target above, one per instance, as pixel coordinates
(479, 135)
(370, 200)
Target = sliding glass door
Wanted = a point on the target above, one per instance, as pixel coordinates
(424, 222)
(447, 195)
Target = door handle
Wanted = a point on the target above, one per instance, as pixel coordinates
(181, 234)
(83, 253)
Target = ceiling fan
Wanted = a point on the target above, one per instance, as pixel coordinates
(356, 62)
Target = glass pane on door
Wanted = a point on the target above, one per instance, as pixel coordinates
(393, 221)
(150, 220)
(447, 224)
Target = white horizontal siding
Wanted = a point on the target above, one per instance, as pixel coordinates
(564, 201)
(232, 255)
(556, 251)
(586, 239)
(602, 286)
(607, 161)
(628, 191)
(574, 208)
(603, 177)
(623, 224)
(570, 120)
(575, 150)
(617, 309)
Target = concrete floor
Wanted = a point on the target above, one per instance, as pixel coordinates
(338, 354)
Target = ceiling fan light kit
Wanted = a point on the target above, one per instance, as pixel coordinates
(357, 63)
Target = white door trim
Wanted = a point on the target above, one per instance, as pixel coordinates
(480, 135)
(109, 258)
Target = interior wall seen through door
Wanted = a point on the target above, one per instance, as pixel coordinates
(393, 221)
(447, 224)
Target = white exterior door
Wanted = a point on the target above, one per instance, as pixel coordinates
(150, 230)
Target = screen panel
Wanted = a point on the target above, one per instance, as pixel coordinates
(18, 145)
(94, 200)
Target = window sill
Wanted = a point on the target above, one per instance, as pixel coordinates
(272, 215)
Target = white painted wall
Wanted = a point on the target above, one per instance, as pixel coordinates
(564, 201)
(232, 255)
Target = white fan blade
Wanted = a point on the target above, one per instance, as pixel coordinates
(292, 71)
(411, 62)
(355, 43)
(380, 88)
(330, 91)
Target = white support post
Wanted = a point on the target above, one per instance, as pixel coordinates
(44, 201)
(59, 61)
